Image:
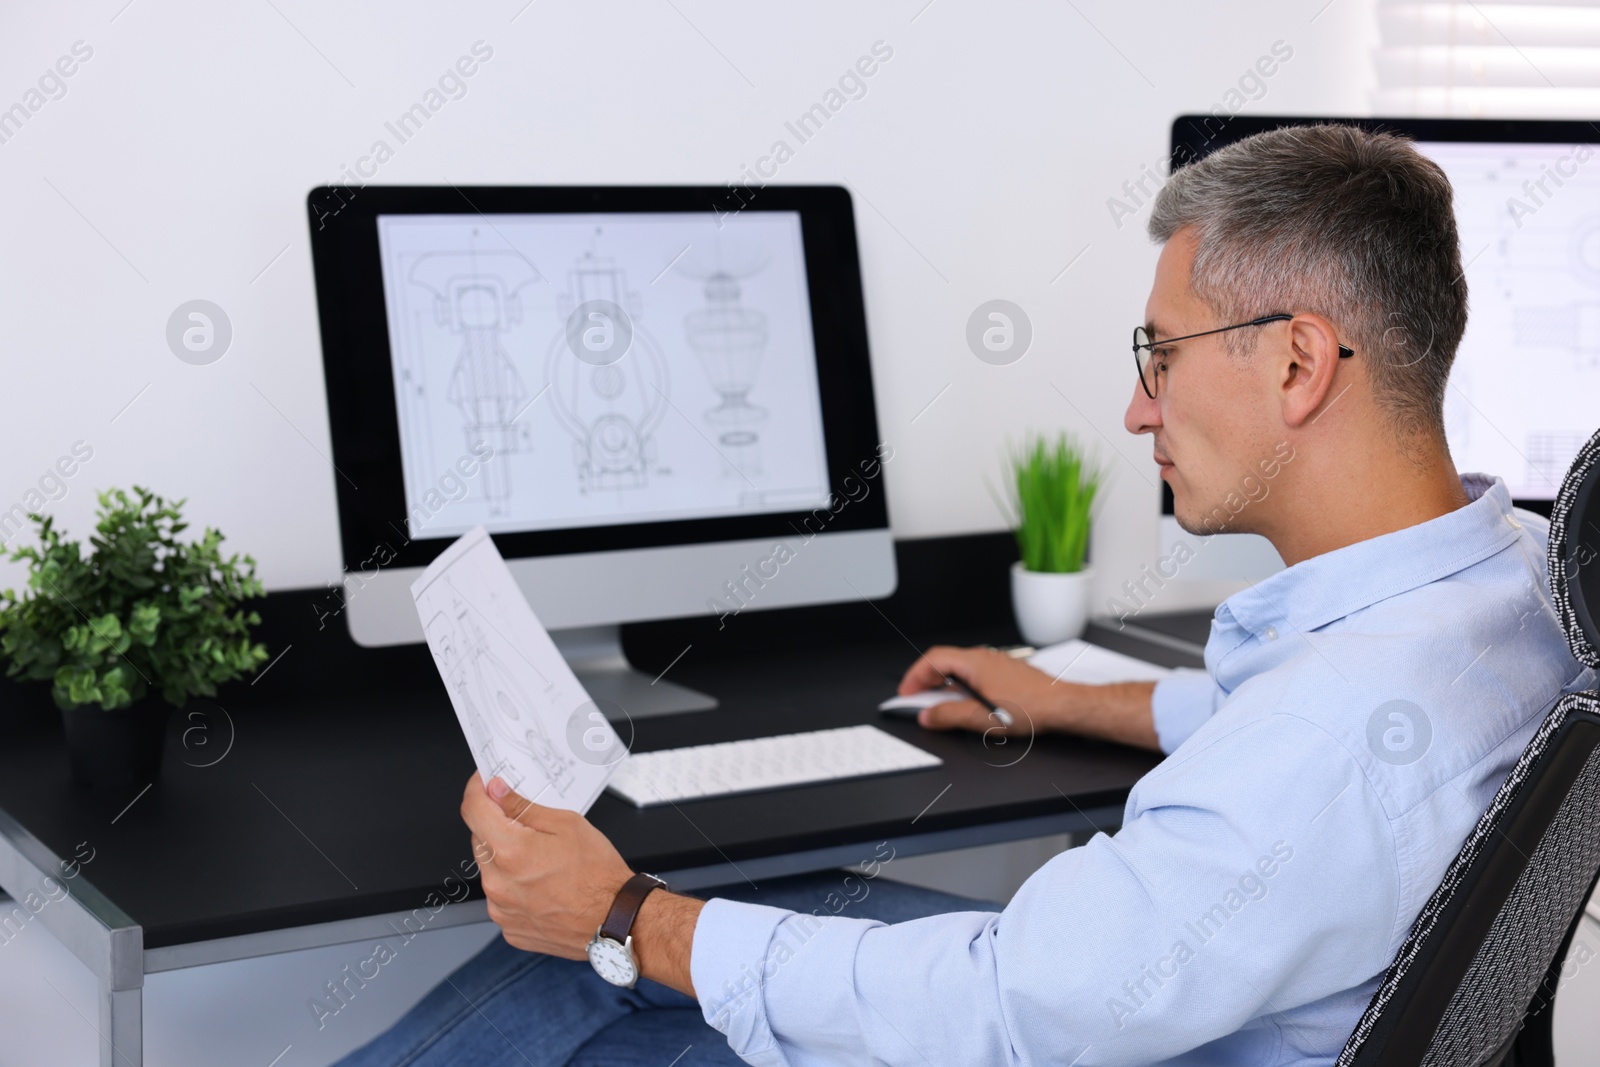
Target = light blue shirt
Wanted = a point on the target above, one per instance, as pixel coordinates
(1356, 714)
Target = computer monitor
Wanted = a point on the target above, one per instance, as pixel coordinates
(1522, 397)
(657, 400)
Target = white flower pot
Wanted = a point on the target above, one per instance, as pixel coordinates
(1050, 608)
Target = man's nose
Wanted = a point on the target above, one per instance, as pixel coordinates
(1143, 414)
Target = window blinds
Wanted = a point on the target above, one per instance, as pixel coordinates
(1489, 60)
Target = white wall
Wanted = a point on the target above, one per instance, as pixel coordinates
(983, 155)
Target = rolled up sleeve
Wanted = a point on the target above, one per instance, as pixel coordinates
(726, 961)
(1181, 704)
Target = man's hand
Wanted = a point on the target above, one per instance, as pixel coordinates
(549, 875)
(1036, 702)
(1026, 693)
(550, 878)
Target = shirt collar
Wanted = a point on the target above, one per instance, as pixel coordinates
(1315, 592)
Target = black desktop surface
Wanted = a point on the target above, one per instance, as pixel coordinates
(1193, 627)
(339, 795)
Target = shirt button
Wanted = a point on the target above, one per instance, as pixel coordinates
(1270, 633)
(1511, 521)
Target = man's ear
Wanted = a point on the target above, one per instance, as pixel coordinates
(1306, 386)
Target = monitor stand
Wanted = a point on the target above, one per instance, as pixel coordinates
(595, 655)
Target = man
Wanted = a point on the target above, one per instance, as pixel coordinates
(1357, 711)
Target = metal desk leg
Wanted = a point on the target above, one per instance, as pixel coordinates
(62, 899)
(121, 1026)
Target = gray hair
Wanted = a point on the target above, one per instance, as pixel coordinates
(1354, 226)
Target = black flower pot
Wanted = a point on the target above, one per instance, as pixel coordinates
(116, 748)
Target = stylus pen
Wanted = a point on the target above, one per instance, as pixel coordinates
(952, 682)
(1001, 715)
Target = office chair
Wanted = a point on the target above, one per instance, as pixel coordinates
(1475, 982)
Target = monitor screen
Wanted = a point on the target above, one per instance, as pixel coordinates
(561, 371)
(641, 391)
(1523, 391)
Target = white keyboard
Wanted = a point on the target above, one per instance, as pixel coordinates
(649, 778)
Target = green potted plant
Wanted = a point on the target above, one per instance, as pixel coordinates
(1053, 486)
(129, 631)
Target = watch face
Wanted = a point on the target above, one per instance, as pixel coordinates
(613, 961)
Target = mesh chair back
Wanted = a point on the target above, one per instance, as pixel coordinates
(1475, 982)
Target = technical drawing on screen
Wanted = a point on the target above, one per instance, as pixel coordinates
(1521, 396)
(636, 393)
(606, 368)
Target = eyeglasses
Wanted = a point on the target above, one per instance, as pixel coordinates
(1144, 348)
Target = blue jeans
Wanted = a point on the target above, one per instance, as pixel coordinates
(514, 1008)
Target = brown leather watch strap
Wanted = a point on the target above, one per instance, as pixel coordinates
(630, 898)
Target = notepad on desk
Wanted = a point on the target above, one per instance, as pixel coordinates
(1073, 661)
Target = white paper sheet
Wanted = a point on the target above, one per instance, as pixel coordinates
(526, 716)
(1086, 664)
(1071, 661)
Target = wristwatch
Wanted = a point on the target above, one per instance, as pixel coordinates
(611, 948)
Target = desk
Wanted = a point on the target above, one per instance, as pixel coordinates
(332, 818)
